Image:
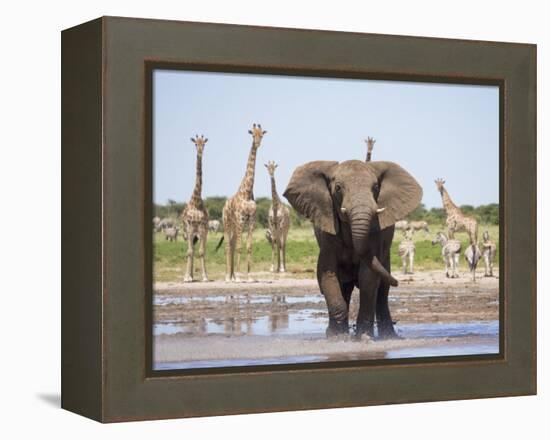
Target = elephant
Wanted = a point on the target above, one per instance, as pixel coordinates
(353, 206)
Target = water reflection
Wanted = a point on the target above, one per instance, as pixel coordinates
(165, 300)
(280, 322)
(280, 318)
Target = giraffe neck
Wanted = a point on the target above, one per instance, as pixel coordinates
(369, 155)
(447, 202)
(247, 184)
(274, 196)
(196, 198)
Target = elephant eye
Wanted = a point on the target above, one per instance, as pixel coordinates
(337, 188)
(376, 190)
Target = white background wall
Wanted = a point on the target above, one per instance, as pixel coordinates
(30, 220)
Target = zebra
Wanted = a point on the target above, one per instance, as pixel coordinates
(420, 225)
(171, 234)
(472, 255)
(213, 225)
(450, 250)
(402, 225)
(407, 250)
(166, 222)
(488, 252)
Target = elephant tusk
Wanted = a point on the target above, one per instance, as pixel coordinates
(379, 210)
(343, 210)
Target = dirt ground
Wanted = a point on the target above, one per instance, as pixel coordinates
(278, 318)
(422, 297)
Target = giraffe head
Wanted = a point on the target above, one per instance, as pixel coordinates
(486, 236)
(271, 166)
(199, 142)
(439, 184)
(370, 143)
(257, 134)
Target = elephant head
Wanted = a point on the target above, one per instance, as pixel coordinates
(367, 196)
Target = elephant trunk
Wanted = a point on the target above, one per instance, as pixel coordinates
(377, 267)
(360, 226)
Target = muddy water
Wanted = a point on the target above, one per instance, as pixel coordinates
(211, 329)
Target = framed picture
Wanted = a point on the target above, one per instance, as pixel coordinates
(263, 219)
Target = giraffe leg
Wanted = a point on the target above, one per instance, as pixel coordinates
(411, 261)
(228, 254)
(237, 251)
(282, 251)
(202, 250)
(278, 252)
(251, 225)
(232, 258)
(404, 261)
(272, 254)
(190, 256)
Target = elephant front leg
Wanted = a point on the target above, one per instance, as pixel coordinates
(368, 287)
(337, 306)
(384, 320)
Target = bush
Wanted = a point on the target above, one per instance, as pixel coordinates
(214, 205)
(419, 213)
(487, 214)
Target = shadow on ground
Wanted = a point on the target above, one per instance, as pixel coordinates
(51, 399)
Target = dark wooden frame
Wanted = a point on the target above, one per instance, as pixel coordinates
(106, 206)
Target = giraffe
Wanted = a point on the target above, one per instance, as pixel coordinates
(279, 223)
(456, 220)
(239, 215)
(370, 145)
(195, 217)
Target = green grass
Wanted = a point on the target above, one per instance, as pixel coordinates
(302, 251)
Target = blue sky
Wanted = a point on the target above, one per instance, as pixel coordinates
(432, 130)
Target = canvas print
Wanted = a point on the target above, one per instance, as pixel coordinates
(308, 219)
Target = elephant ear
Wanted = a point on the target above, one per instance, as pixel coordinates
(308, 193)
(399, 194)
